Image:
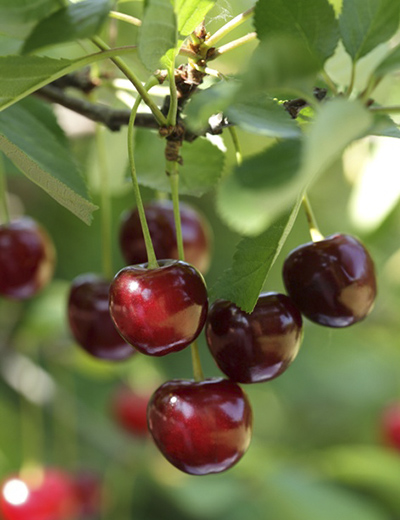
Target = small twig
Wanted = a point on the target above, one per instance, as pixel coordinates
(232, 45)
(228, 27)
(125, 18)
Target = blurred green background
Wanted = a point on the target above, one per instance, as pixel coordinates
(317, 451)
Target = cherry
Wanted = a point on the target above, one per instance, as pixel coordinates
(160, 219)
(159, 310)
(200, 427)
(90, 321)
(27, 258)
(250, 348)
(88, 492)
(129, 410)
(390, 425)
(331, 281)
(40, 495)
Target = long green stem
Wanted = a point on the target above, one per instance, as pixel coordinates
(394, 109)
(236, 144)
(3, 192)
(329, 82)
(233, 45)
(125, 18)
(172, 169)
(315, 233)
(105, 205)
(151, 256)
(120, 63)
(173, 100)
(228, 27)
(352, 79)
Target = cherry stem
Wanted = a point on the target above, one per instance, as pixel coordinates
(352, 79)
(315, 233)
(151, 256)
(236, 144)
(233, 45)
(386, 110)
(196, 363)
(172, 172)
(328, 80)
(105, 204)
(123, 67)
(3, 191)
(125, 18)
(228, 27)
(173, 101)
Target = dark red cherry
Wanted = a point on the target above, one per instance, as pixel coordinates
(129, 409)
(201, 427)
(196, 234)
(88, 491)
(27, 258)
(38, 495)
(390, 425)
(331, 281)
(159, 310)
(90, 321)
(250, 348)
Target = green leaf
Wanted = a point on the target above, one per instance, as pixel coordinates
(311, 21)
(201, 170)
(77, 21)
(22, 11)
(262, 115)
(385, 126)
(389, 64)
(158, 33)
(191, 13)
(364, 24)
(40, 154)
(252, 262)
(283, 66)
(210, 101)
(22, 75)
(250, 200)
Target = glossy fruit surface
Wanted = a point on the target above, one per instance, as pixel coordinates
(27, 258)
(201, 427)
(196, 234)
(390, 425)
(250, 348)
(159, 310)
(90, 321)
(39, 495)
(129, 410)
(331, 281)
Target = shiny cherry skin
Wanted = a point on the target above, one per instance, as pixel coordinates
(331, 281)
(39, 495)
(390, 425)
(159, 310)
(196, 234)
(201, 427)
(27, 258)
(90, 321)
(129, 409)
(256, 347)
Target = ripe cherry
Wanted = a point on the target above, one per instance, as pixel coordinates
(27, 258)
(88, 491)
(331, 281)
(39, 495)
(250, 348)
(129, 410)
(200, 427)
(90, 321)
(160, 219)
(159, 310)
(390, 425)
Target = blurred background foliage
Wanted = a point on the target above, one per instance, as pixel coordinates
(317, 451)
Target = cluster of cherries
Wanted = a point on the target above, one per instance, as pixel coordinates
(204, 426)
